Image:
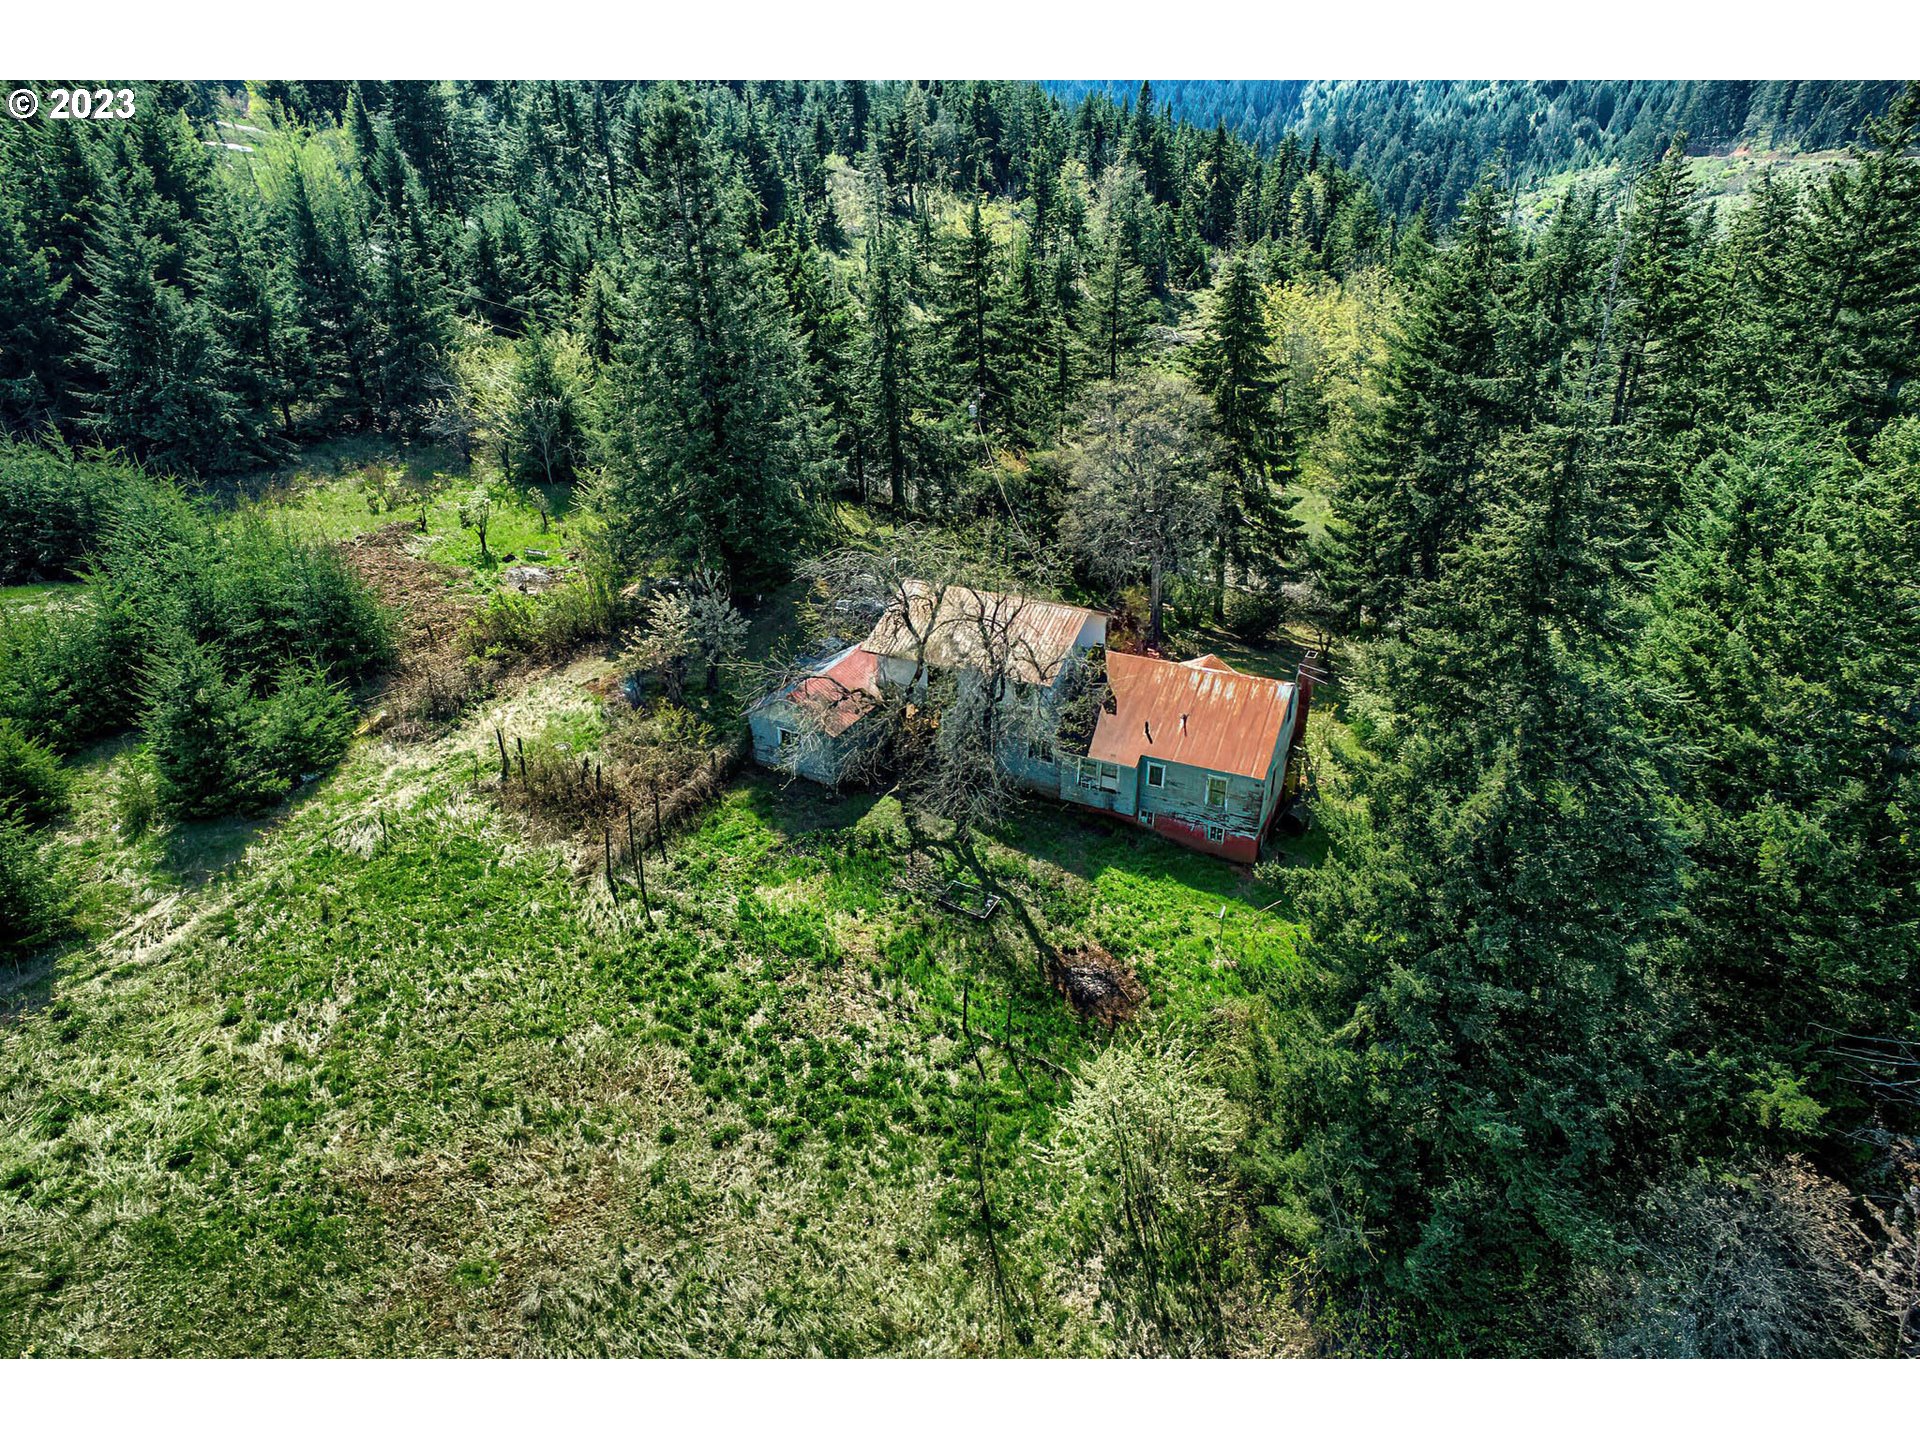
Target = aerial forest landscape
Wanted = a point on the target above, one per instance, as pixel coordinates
(960, 719)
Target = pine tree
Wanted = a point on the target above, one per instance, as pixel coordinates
(33, 379)
(1465, 1131)
(715, 431)
(157, 362)
(1234, 365)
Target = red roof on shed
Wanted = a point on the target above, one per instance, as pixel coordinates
(1207, 715)
(843, 692)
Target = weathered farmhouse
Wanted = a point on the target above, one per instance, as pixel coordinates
(1194, 751)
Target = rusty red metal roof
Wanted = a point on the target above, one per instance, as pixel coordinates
(960, 625)
(843, 692)
(1209, 716)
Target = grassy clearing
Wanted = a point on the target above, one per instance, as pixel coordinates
(350, 488)
(31, 597)
(380, 1074)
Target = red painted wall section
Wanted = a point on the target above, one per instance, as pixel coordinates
(1243, 848)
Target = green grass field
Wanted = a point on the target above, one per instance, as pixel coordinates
(382, 1074)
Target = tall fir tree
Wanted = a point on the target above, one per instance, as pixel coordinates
(1448, 391)
(1469, 1115)
(158, 364)
(890, 380)
(33, 378)
(1257, 447)
(716, 438)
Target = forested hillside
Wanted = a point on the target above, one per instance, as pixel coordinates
(1425, 142)
(1584, 1022)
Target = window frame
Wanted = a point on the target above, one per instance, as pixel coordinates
(1216, 833)
(1161, 783)
(1221, 803)
(785, 739)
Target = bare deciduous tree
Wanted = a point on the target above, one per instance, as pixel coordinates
(1770, 1266)
(1141, 507)
(976, 691)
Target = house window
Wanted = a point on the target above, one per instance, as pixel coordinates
(1146, 817)
(787, 738)
(1216, 833)
(1089, 771)
(1217, 791)
(1156, 774)
(1039, 750)
(1109, 777)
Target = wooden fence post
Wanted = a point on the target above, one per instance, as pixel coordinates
(503, 753)
(521, 750)
(659, 838)
(640, 867)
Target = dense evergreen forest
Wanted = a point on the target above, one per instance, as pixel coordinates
(1605, 1039)
(1425, 142)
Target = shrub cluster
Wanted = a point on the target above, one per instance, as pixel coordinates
(33, 782)
(32, 912)
(54, 508)
(230, 645)
(218, 748)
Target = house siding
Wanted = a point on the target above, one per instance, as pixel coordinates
(821, 758)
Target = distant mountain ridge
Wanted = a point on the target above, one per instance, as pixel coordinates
(1424, 141)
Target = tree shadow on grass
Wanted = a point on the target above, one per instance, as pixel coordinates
(27, 984)
(195, 853)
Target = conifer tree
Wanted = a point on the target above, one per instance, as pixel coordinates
(1234, 365)
(889, 370)
(331, 291)
(1782, 657)
(715, 434)
(412, 331)
(198, 734)
(1862, 272)
(827, 327)
(1117, 313)
(1448, 391)
(249, 295)
(1658, 322)
(966, 321)
(1468, 1130)
(158, 365)
(33, 376)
